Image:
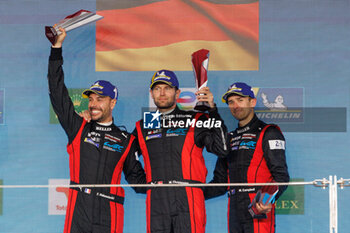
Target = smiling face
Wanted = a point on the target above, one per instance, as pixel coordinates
(164, 96)
(242, 108)
(101, 107)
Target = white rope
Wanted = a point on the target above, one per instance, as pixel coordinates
(343, 183)
(319, 183)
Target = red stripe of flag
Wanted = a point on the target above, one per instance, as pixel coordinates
(168, 22)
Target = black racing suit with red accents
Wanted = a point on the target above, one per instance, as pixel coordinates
(97, 155)
(257, 155)
(173, 154)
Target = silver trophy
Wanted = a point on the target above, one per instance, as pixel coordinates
(200, 60)
(78, 19)
(265, 195)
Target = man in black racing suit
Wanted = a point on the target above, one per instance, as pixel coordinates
(98, 152)
(172, 153)
(257, 155)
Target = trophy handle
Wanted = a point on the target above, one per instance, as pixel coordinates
(202, 106)
(51, 34)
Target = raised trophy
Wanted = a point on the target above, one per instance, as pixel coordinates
(265, 195)
(200, 60)
(78, 19)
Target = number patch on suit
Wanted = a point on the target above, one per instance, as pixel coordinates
(277, 145)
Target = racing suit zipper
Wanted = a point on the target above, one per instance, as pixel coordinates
(97, 180)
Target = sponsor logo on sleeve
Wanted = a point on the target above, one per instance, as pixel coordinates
(58, 197)
(277, 145)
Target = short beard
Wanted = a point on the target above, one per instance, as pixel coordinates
(98, 119)
(242, 117)
(165, 107)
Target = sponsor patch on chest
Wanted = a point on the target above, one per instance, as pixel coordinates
(155, 131)
(235, 138)
(94, 136)
(235, 143)
(103, 128)
(248, 136)
(89, 140)
(112, 138)
(247, 145)
(113, 147)
(176, 132)
(153, 136)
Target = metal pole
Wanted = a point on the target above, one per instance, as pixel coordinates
(335, 216)
(333, 204)
(330, 204)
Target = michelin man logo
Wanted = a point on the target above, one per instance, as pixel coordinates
(277, 105)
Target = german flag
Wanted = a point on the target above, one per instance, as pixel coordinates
(148, 35)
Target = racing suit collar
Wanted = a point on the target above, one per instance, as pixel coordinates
(105, 124)
(104, 127)
(248, 126)
(174, 110)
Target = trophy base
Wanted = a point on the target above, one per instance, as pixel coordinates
(51, 34)
(202, 106)
(255, 214)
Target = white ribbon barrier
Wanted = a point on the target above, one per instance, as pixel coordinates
(332, 183)
(318, 183)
